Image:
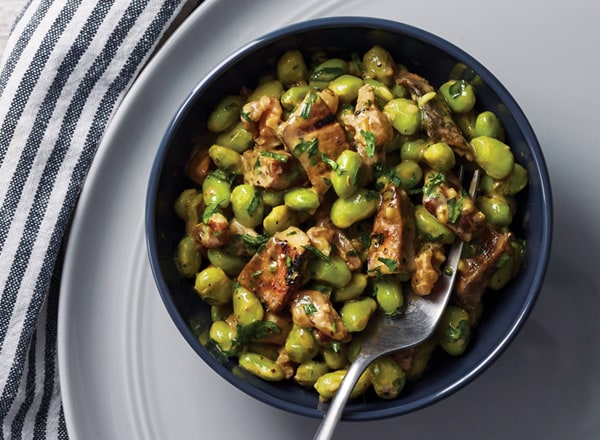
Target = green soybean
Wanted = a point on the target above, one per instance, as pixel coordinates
(216, 190)
(236, 138)
(261, 366)
(410, 173)
(231, 264)
(355, 314)
(497, 209)
(328, 384)
(387, 378)
(355, 288)
(430, 228)
(345, 176)
(293, 96)
(388, 294)
(459, 94)
(413, 149)
(272, 88)
(439, 156)
(378, 64)
(382, 92)
(302, 199)
(512, 184)
(291, 69)
(454, 330)
(349, 210)
(225, 114)
(345, 87)
(279, 219)
(214, 286)
(332, 270)
(188, 259)
(488, 124)
(404, 114)
(301, 345)
(508, 266)
(226, 158)
(273, 198)
(493, 156)
(308, 372)
(335, 359)
(224, 335)
(247, 308)
(327, 71)
(247, 204)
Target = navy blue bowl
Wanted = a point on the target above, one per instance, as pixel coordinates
(427, 55)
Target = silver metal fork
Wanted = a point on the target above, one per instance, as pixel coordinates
(385, 335)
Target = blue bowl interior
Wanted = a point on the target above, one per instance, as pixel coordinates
(426, 55)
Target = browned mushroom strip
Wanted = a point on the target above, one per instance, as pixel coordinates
(275, 272)
(311, 132)
(437, 116)
(274, 170)
(393, 237)
(475, 272)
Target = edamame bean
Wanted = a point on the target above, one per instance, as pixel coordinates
(345, 176)
(454, 330)
(236, 138)
(332, 270)
(387, 378)
(247, 204)
(279, 219)
(335, 359)
(512, 184)
(247, 308)
(345, 87)
(421, 358)
(459, 95)
(388, 294)
(430, 228)
(361, 205)
(497, 209)
(466, 122)
(439, 156)
(382, 92)
(189, 206)
(413, 150)
(214, 286)
(379, 64)
(307, 373)
(301, 345)
(231, 264)
(508, 266)
(355, 288)
(493, 156)
(327, 71)
(188, 259)
(291, 69)
(224, 335)
(488, 124)
(355, 314)
(226, 159)
(272, 88)
(328, 384)
(216, 190)
(220, 312)
(410, 174)
(293, 96)
(273, 198)
(302, 199)
(404, 114)
(261, 366)
(225, 114)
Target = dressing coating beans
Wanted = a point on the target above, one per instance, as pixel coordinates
(329, 187)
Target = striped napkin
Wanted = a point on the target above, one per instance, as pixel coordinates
(66, 67)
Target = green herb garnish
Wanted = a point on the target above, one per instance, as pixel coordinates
(390, 263)
(369, 138)
(317, 252)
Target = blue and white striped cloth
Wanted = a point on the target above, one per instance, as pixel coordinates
(66, 67)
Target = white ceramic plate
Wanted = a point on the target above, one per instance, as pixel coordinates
(127, 374)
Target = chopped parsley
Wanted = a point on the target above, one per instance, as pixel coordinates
(209, 211)
(273, 155)
(310, 148)
(369, 138)
(433, 182)
(254, 203)
(390, 263)
(332, 163)
(317, 252)
(309, 308)
(454, 209)
(307, 105)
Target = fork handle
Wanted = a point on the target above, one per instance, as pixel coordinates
(336, 407)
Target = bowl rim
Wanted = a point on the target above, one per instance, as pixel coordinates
(399, 28)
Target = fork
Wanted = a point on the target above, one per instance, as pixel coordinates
(385, 335)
